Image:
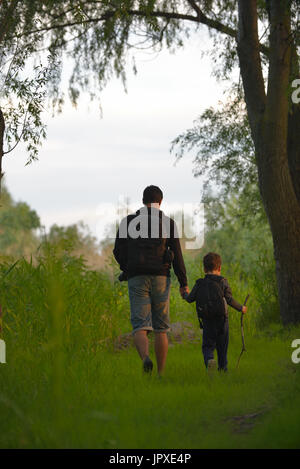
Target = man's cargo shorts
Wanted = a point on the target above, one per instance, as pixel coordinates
(149, 297)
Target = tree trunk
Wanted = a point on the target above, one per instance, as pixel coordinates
(275, 126)
(283, 212)
(277, 183)
(294, 128)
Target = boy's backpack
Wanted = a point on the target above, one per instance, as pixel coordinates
(210, 301)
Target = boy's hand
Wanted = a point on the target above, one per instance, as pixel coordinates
(184, 290)
(244, 310)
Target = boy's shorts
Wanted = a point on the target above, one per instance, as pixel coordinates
(149, 297)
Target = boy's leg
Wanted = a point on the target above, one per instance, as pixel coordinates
(208, 341)
(222, 346)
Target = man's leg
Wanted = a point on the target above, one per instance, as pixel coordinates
(161, 350)
(141, 342)
(160, 296)
(140, 305)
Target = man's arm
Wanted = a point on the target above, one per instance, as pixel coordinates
(120, 249)
(178, 262)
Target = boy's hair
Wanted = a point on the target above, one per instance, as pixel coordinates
(211, 261)
(152, 194)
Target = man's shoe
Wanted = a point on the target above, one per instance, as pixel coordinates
(211, 366)
(147, 365)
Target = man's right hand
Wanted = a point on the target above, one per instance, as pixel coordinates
(244, 310)
(184, 290)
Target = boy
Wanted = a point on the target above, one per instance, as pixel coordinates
(212, 294)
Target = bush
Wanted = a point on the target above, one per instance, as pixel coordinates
(59, 301)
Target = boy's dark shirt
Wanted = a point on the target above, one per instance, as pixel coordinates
(223, 284)
(173, 243)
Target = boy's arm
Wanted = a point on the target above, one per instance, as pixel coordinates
(229, 298)
(191, 297)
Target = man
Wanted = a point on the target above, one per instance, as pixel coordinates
(146, 246)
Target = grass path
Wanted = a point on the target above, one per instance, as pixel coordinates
(102, 400)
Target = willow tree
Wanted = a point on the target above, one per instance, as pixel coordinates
(260, 37)
(23, 78)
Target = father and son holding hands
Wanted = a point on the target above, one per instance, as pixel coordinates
(146, 246)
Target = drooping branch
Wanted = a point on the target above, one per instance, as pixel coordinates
(2, 130)
(199, 18)
(19, 138)
(110, 14)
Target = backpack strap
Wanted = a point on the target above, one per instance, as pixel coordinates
(206, 280)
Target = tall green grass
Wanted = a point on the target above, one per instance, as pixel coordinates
(59, 299)
(64, 385)
(106, 402)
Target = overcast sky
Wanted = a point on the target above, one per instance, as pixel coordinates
(89, 162)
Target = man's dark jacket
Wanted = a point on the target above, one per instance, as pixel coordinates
(124, 249)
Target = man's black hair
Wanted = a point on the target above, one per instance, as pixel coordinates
(152, 194)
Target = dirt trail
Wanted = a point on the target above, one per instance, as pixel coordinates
(245, 423)
(180, 332)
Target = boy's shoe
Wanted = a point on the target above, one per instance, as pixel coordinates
(147, 365)
(211, 366)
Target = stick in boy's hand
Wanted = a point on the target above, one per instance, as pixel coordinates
(242, 330)
(245, 308)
